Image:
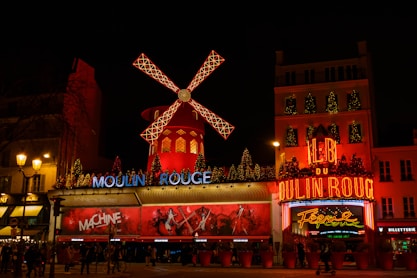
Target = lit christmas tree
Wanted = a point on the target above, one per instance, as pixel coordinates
(200, 163)
(334, 132)
(291, 106)
(332, 103)
(354, 133)
(77, 169)
(310, 130)
(354, 102)
(246, 159)
(156, 164)
(257, 172)
(232, 175)
(291, 138)
(310, 104)
(117, 166)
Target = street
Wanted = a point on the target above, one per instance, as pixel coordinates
(216, 271)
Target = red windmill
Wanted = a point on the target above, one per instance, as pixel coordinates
(180, 125)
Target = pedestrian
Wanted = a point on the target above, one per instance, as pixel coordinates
(68, 257)
(154, 255)
(325, 256)
(87, 256)
(148, 253)
(301, 254)
(5, 255)
(44, 256)
(33, 259)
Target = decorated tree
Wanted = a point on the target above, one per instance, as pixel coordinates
(257, 172)
(246, 159)
(77, 169)
(232, 175)
(117, 166)
(240, 173)
(200, 163)
(331, 106)
(354, 102)
(291, 138)
(156, 166)
(310, 104)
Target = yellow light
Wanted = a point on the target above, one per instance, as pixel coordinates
(36, 164)
(276, 144)
(21, 159)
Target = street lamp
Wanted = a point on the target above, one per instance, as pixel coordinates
(36, 164)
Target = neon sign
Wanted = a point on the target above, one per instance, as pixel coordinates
(312, 216)
(326, 187)
(164, 179)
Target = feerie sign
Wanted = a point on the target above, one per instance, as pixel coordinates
(327, 187)
(164, 179)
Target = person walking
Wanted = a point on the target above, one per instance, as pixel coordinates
(148, 253)
(154, 255)
(33, 259)
(67, 257)
(301, 254)
(5, 255)
(325, 256)
(87, 256)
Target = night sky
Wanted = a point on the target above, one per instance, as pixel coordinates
(240, 90)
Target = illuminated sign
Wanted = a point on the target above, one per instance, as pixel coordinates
(322, 151)
(164, 179)
(325, 188)
(398, 230)
(312, 216)
(333, 221)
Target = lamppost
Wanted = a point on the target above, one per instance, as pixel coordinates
(57, 212)
(36, 164)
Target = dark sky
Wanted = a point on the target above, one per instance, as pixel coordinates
(241, 89)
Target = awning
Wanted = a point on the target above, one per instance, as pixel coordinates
(412, 223)
(31, 210)
(2, 211)
(7, 231)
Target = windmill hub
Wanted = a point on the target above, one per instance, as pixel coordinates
(184, 95)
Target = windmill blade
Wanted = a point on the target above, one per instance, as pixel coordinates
(152, 132)
(147, 66)
(213, 61)
(220, 125)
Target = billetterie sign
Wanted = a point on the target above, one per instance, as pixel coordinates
(164, 179)
(326, 187)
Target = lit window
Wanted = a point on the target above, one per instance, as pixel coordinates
(180, 145)
(166, 145)
(193, 147)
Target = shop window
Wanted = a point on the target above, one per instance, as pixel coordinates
(290, 105)
(405, 168)
(384, 171)
(355, 133)
(291, 139)
(194, 146)
(166, 145)
(387, 207)
(180, 145)
(310, 104)
(408, 203)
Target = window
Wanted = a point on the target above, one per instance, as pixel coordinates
(353, 101)
(309, 133)
(405, 168)
(355, 72)
(384, 171)
(290, 78)
(166, 145)
(332, 74)
(310, 104)
(331, 103)
(341, 73)
(355, 134)
(349, 73)
(408, 203)
(193, 146)
(290, 105)
(327, 74)
(291, 139)
(334, 132)
(387, 210)
(5, 184)
(180, 145)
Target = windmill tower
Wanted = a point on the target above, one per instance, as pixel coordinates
(176, 133)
